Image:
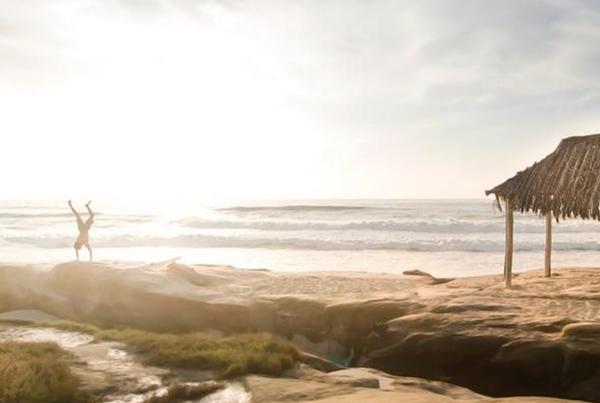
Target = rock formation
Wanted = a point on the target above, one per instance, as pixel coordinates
(539, 338)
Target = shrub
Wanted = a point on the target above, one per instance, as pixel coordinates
(36, 372)
(235, 355)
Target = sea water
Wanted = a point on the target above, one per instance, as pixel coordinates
(443, 237)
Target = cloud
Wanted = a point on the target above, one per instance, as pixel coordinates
(390, 95)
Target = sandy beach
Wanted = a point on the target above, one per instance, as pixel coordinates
(539, 338)
(270, 201)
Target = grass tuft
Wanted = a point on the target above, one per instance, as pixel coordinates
(36, 372)
(230, 356)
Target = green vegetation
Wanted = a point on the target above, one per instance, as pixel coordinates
(230, 356)
(181, 393)
(36, 372)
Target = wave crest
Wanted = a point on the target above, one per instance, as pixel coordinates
(442, 227)
(296, 208)
(214, 241)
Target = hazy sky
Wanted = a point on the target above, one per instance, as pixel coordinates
(289, 99)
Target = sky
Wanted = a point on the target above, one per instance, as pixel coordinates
(288, 99)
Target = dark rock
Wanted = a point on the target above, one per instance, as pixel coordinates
(319, 363)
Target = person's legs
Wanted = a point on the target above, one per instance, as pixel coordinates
(90, 212)
(90, 220)
(87, 206)
(77, 216)
(80, 223)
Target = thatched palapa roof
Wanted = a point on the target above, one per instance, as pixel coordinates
(566, 182)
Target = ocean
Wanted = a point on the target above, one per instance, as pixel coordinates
(443, 237)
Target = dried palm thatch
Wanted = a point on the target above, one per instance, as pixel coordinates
(565, 183)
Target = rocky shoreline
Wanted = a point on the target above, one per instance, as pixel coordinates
(539, 338)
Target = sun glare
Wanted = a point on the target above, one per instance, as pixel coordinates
(169, 108)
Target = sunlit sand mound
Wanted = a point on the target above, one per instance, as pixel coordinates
(178, 297)
(537, 338)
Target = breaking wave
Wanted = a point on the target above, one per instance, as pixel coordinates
(297, 208)
(442, 227)
(215, 241)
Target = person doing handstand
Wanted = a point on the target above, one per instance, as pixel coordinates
(83, 239)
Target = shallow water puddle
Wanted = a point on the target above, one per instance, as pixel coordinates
(233, 393)
(65, 339)
(138, 398)
(110, 371)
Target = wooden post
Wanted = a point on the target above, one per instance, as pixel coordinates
(548, 259)
(509, 243)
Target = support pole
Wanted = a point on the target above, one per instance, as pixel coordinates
(548, 258)
(509, 243)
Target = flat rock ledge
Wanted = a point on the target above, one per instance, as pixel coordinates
(539, 338)
(366, 385)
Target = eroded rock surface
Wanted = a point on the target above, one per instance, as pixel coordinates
(538, 338)
(337, 308)
(366, 385)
